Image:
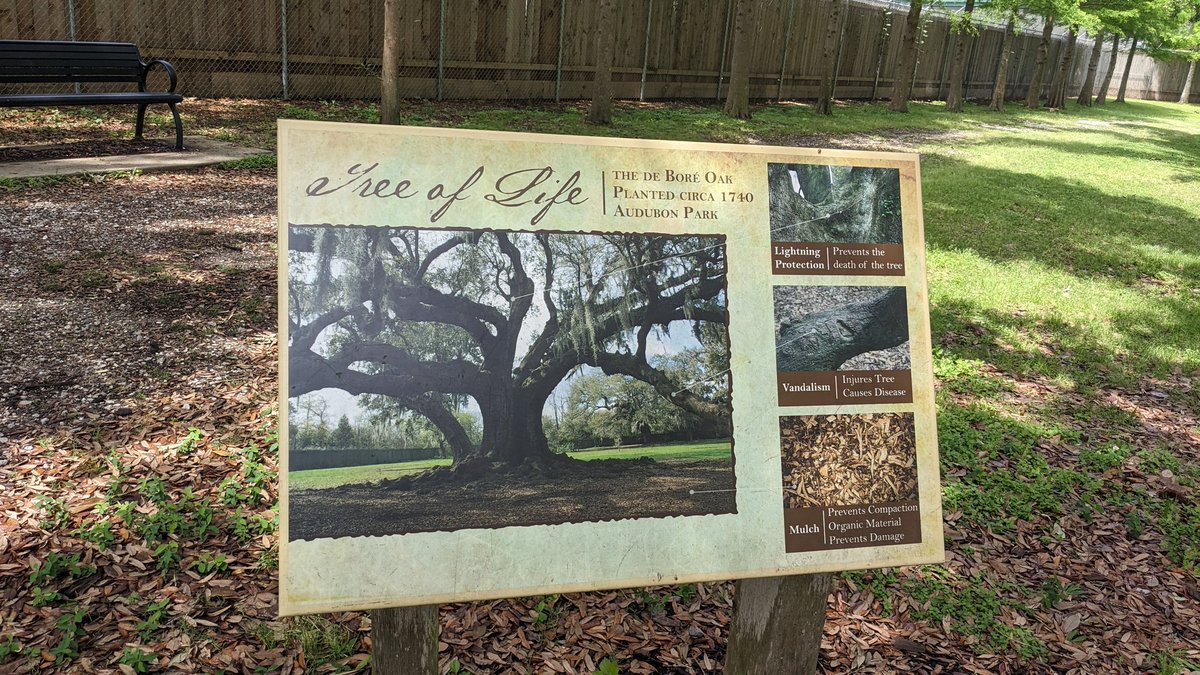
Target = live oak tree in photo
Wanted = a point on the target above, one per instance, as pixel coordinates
(423, 317)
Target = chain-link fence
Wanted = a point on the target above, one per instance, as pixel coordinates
(544, 49)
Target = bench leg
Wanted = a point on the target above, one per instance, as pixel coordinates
(178, 128)
(141, 122)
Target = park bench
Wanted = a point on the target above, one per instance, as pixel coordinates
(52, 62)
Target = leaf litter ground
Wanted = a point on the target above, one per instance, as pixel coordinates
(137, 480)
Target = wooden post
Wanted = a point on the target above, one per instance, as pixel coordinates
(777, 625)
(404, 640)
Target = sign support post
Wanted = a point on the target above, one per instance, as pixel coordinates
(404, 640)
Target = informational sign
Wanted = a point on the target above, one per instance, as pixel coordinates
(517, 364)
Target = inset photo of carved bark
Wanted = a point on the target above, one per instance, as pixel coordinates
(842, 460)
(824, 328)
(441, 380)
(834, 204)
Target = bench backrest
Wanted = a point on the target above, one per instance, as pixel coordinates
(53, 61)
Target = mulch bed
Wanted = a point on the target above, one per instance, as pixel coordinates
(842, 460)
(133, 310)
(594, 491)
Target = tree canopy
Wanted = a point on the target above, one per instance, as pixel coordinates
(430, 319)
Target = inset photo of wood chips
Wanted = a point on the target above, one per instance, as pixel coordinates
(841, 460)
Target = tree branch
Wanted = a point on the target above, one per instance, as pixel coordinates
(402, 374)
(823, 341)
(625, 364)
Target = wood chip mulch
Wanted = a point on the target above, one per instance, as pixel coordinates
(134, 311)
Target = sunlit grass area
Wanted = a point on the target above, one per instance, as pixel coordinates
(325, 478)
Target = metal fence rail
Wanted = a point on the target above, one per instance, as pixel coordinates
(540, 49)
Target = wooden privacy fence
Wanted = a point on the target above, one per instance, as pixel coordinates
(539, 49)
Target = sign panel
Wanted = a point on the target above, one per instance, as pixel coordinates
(518, 364)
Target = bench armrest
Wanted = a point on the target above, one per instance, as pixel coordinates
(166, 66)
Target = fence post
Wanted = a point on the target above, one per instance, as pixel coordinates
(837, 60)
(724, 47)
(71, 21)
(646, 50)
(787, 38)
(71, 28)
(562, 25)
(885, 30)
(946, 58)
(441, 67)
(283, 46)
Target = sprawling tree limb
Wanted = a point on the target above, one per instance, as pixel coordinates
(823, 341)
(306, 335)
(434, 410)
(625, 364)
(401, 372)
(437, 252)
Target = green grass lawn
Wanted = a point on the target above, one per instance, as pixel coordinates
(1051, 232)
(326, 478)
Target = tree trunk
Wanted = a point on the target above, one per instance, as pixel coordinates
(1001, 84)
(1033, 97)
(512, 426)
(1125, 75)
(823, 341)
(600, 111)
(1102, 95)
(737, 99)
(389, 109)
(1193, 74)
(1062, 80)
(777, 625)
(833, 39)
(906, 69)
(404, 640)
(1089, 80)
(954, 97)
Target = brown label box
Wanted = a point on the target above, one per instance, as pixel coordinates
(825, 528)
(884, 260)
(845, 387)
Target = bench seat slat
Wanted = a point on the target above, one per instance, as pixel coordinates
(42, 100)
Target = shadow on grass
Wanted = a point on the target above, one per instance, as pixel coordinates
(1061, 223)
(1060, 350)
